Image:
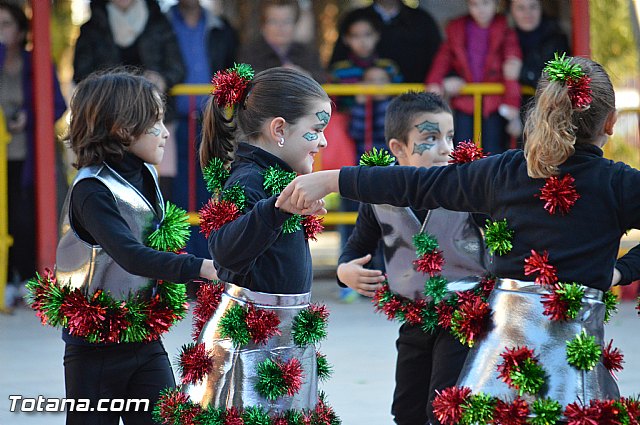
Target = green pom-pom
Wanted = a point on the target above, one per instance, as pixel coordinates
(243, 70)
(572, 294)
(136, 317)
(424, 243)
(324, 368)
(292, 224)
(308, 327)
(173, 232)
(210, 416)
(271, 384)
(436, 287)
(377, 157)
(276, 179)
(478, 409)
(610, 301)
(235, 194)
(256, 415)
(234, 326)
(498, 237)
(215, 175)
(293, 417)
(171, 407)
(560, 68)
(174, 296)
(546, 411)
(528, 377)
(583, 352)
(623, 415)
(429, 319)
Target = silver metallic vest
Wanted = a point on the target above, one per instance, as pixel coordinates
(458, 237)
(82, 265)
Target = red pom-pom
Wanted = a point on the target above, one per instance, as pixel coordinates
(412, 312)
(207, 301)
(447, 406)
(312, 225)
(320, 310)
(292, 375)
(512, 358)
(322, 415)
(229, 88)
(633, 409)
(466, 152)
(215, 214)
(83, 317)
(262, 324)
(474, 315)
(580, 91)
(195, 362)
(540, 264)
(514, 413)
(612, 359)
(486, 286)
(582, 415)
(172, 405)
(391, 307)
(445, 312)
(559, 194)
(554, 306)
(116, 322)
(608, 412)
(159, 318)
(233, 417)
(430, 263)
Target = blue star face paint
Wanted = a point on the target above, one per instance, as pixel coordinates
(426, 126)
(323, 116)
(310, 136)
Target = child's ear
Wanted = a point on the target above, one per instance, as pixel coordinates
(610, 122)
(397, 148)
(277, 129)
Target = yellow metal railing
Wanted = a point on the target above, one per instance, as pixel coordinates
(5, 238)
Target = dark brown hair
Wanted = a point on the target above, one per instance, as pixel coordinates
(266, 4)
(275, 92)
(403, 109)
(109, 110)
(554, 126)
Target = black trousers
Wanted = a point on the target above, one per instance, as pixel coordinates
(121, 371)
(426, 363)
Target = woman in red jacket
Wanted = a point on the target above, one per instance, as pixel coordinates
(480, 48)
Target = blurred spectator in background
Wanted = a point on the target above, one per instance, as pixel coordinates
(480, 48)
(208, 44)
(276, 45)
(16, 101)
(409, 37)
(134, 33)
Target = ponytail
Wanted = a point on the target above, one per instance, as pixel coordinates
(549, 132)
(218, 135)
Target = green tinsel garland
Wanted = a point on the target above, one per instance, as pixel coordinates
(572, 294)
(498, 237)
(583, 352)
(610, 301)
(560, 68)
(173, 232)
(271, 384)
(256, 415)
(209, 416)
(376, 157)
(276, 179)
(424, 243)
(292, 224)
(233, 325)
(243, 70)
(547, 412)
(235, 194)
(478, 409)
(436, 287)
(324, 368)
(53, 295)
(429, 318)
(528, 377)
(308, 327)
(215, 175)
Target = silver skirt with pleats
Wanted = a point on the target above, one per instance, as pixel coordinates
(232, 380)
(517, 320)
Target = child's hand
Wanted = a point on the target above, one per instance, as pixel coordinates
(511, 68)
(364, 281)
(304, 194)
(208, 271)
(453, 85)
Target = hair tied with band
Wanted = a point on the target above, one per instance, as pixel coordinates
(561, 69)
(231, 85)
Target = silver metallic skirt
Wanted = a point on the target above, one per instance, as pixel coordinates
(517, 320)
(232, 380)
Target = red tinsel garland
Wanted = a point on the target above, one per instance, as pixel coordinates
(514, 413)
(262, 324)
(312, 225)
(83, 317)
(582, 415)
(612, 359)
(554, 306)
(320, 310)
(292, 375)
(207, 301)
(233, 417)
(466, 152)
(229, 88)
(215, 214)
(447, 406)
(559, 194)
(580, 91)
(633, 409)
(445, 312)
(430, 263)
(413, 311)
(540, 264)
(474, 314)
(160, 318)
(512, 359)
(195, 363)
(171, 407)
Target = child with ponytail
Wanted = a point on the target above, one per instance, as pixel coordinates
(559, 210)
(253, 356)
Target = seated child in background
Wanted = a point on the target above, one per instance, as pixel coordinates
(419, 132)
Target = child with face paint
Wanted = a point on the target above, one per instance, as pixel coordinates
(419, 132)
(258, 337)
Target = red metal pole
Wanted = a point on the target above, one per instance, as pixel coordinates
(45, 183)
(581, 27)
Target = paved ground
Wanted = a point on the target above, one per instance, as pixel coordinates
(360, 346)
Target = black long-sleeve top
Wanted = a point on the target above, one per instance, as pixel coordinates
(96, 220)
(582, 245)
(252, 251)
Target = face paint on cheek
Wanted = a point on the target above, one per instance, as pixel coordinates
(310, 136)
(428, 126)
(153, 130)
(420, 148)
(323, 116)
